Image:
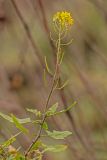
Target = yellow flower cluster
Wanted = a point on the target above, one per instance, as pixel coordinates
(63, 18)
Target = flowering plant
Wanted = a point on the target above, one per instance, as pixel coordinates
(62, 21)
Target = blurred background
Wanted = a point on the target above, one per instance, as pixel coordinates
(25, 27)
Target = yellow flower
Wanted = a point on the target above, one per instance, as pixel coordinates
(63, 19)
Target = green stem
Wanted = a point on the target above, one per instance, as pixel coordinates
(55, 77)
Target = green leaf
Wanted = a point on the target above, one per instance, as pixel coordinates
(36, 145)
(34, 111)
(16, 157)
(10, 141)
(52, 110)
(18, 124)
(11, 157)
(19, 157)
(59, 134)
(56, 148)
(37, 122)
(45, 126)
(67, 109)
(8, 118)
(24, 120)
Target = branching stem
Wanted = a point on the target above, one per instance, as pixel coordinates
(54, 81)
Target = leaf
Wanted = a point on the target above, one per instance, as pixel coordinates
(45, 126)
(36, 145)
(67, 109)
(56, 148)
(24, 121)
(16, 157)
(37, 122)
(18, 124)
(59, 134)
(52, 110)
(10, 141)
(34, 111)
(8, 118)
(11, 157)
(19, 157)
